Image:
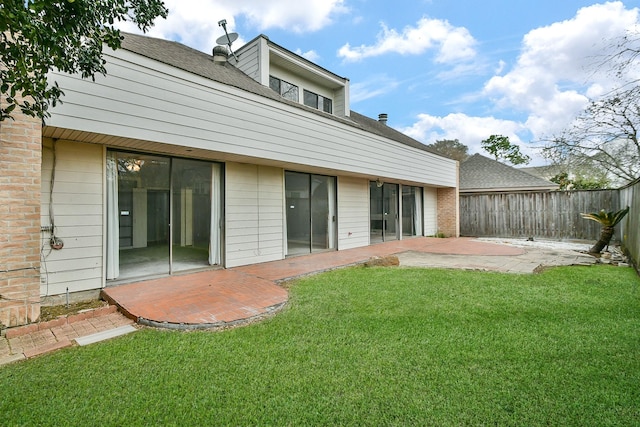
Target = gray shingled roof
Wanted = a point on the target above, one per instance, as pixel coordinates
(199, 63)
(544, 172)
(185, 58)
(479, 173)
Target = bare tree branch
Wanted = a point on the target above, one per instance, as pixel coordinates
(605, 135)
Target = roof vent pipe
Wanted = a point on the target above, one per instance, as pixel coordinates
(382, 118)
(220, 54)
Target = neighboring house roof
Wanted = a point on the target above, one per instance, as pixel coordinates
(482, 174)
(544, 172)
(185, 58)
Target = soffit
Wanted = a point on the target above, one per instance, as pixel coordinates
(304, 70)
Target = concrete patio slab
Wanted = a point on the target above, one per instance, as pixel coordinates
(105, 335)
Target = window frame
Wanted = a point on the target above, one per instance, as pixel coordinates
(289, 93)
(322, 103)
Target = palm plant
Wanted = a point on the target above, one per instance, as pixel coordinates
(608, 221)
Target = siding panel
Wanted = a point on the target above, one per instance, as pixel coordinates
(254, 215)
(249, 64)
(353, 212)
(430, 211)
(171, 106)
(78, 216)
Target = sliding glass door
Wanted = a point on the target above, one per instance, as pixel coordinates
(311, 216)
(383, 217)
(163, 213)
(191, 214)
(411, 211)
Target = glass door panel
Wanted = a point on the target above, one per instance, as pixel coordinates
(311, 213)
(162, 210)
(411, 211)
(191, 216)
(383, 212)
(376, 212)
(390, 214)
(143, 214)
(323, 217)
(297, 188)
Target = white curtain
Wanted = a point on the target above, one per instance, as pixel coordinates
(113, 232)
(417, 213)
(215, 252)
(331, 226)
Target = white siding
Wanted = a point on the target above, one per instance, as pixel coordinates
(254, 214)
(341, 101)
(353, 212)
(430, 211)
(146, 100)
(78, 217)
(249, 63)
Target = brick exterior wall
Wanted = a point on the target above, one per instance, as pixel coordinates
(448, 212)
(20, 164)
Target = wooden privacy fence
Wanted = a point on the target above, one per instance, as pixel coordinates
(630, 225)
(551, 215)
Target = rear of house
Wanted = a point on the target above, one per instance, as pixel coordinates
(178, 161)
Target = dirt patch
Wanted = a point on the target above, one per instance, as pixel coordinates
(55, 311)
(387, 261)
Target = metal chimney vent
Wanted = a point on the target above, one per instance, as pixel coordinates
(220, 54)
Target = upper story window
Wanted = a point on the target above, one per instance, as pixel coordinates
(318, 101)
(285, 89)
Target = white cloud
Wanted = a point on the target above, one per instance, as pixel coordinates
(311, 55)
(197, 26)
(469, 130)
(300, 16)
(452, 43)
(556, 71)
(552, 81)
(376, 85)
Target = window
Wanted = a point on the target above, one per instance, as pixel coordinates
(285, 89)
(317, 101)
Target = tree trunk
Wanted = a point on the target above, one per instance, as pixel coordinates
(605, 238)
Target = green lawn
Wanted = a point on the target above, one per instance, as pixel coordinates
(368, 346)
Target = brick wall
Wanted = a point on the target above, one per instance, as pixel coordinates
(20, 163)
(448, 212)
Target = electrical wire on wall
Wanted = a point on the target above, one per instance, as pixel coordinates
(43, 265)
(54, 241)
(258, 251)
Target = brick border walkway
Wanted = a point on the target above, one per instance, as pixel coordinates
(29, 341)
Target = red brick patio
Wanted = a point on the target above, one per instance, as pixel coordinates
(220, 298)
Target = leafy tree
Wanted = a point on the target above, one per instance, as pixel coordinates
(501, 148)
(608, 220)
(37, 36)
(605, 135)
(451, 148)
(580, 182)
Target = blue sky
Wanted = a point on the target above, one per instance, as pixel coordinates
(441, 69)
